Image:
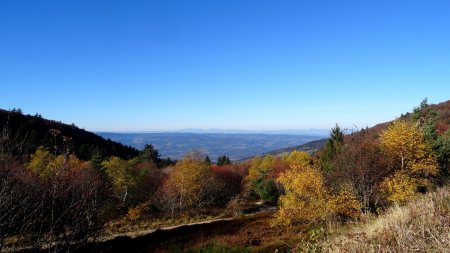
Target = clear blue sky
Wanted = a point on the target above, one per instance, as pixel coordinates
(167, 65)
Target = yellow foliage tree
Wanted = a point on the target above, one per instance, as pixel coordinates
(407, 142)
(417, 163)
(298, 158)
(259, 167)
(69, 162)
(44, 163)
(189, 184)
(41, 162)
(306, 198)
(254, 171)
(122, 174)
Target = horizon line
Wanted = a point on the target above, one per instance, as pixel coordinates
(309, 131)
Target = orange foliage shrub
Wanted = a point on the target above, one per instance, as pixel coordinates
(136, 212)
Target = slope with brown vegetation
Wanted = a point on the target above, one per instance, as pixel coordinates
(422, 225)
(443, 123)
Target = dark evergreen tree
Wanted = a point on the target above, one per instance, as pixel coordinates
(166, 162)
(266, 188)
(149, 153)
(426, 118)
(96, 160)
(333, 146)
(208, 160)
(223, 160)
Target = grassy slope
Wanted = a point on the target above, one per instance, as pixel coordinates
(422, 225)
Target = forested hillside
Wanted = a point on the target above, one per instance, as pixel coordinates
(30, 132)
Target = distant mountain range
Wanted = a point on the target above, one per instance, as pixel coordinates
(237, 146)
(312, 131)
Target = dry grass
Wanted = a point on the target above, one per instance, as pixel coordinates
(144, 223)
(422, 225)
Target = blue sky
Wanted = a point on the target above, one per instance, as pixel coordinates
(260, 65)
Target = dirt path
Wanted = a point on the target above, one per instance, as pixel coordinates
(161, 239)
(134, 234)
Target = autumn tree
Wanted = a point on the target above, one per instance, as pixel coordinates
(41, 162)
(406, 141)
(262, 178)
(416, 161)
(191, 183)
(298, 158)
(122, 174)
(147, 184)
(400, 186)
(230, 177)
(306, 198)
(260, 165)
(45, 163)
(346, 204)
(279, 165)
(362, 165)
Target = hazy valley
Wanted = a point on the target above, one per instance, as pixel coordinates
(236, 146)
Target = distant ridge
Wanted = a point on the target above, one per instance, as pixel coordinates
(308, 147)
